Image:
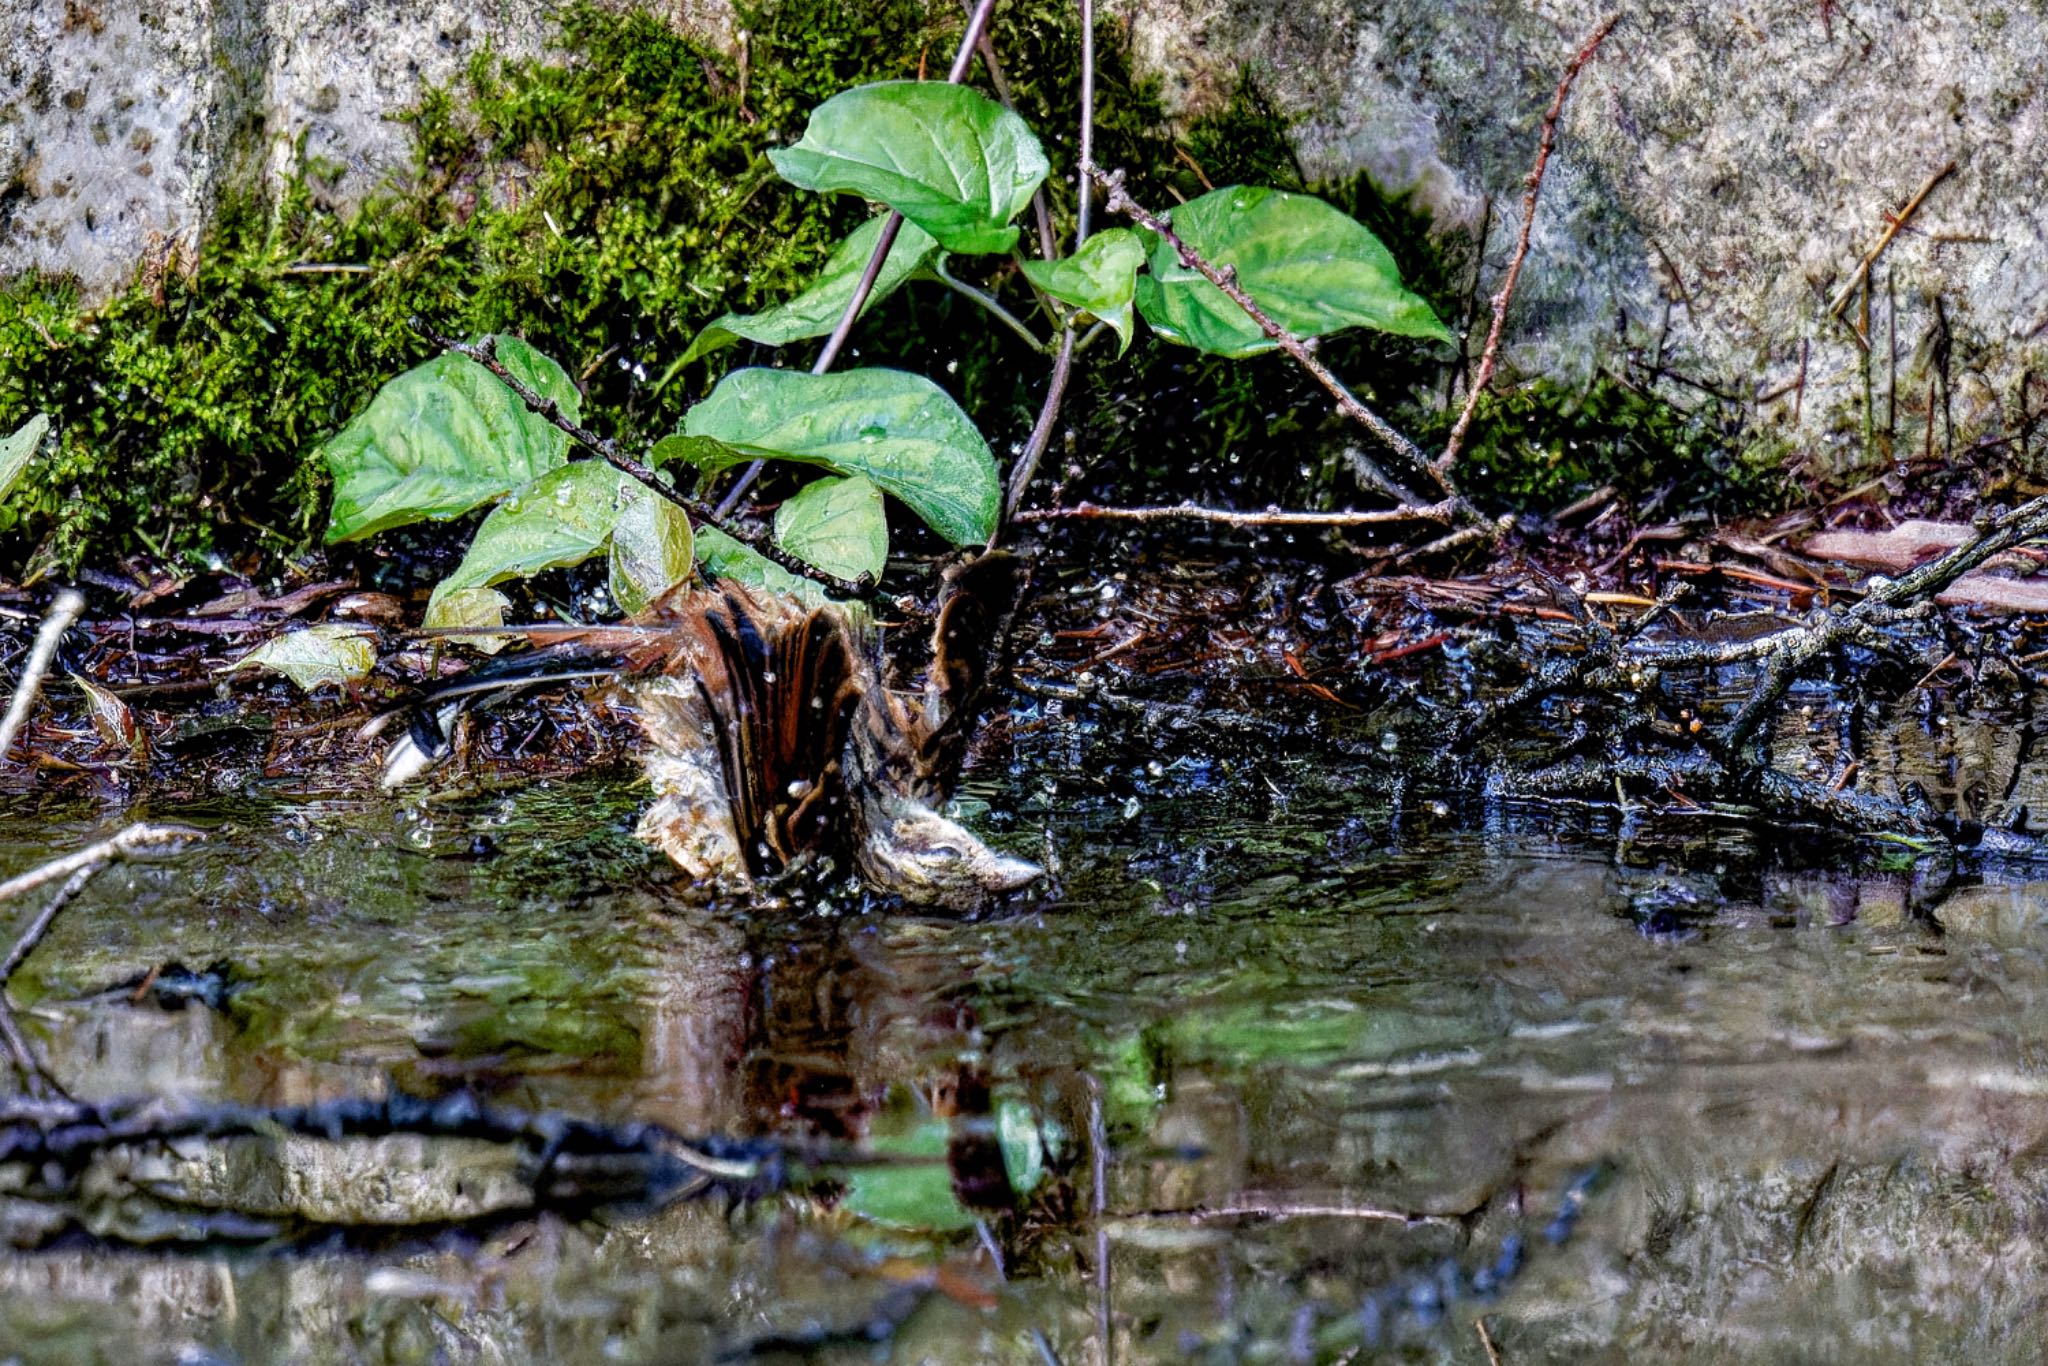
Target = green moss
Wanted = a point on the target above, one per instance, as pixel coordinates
(1534, 446)
(603, 205)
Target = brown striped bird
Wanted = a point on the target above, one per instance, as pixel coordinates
(773, 745)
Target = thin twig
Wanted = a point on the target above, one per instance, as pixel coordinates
(1899, 221)
(1255, 1208)
(1118, 200)
(1491, 353)
(1041, 430)
(128, 843)
(1040, 440)
(1486, 1342)
(963, 58)
(1189, 512)
(1085, 185)
(63, 612)
(485, 353)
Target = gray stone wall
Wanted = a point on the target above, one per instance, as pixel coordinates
(1723, 168)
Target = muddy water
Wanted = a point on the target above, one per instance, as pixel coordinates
(1340, 1086)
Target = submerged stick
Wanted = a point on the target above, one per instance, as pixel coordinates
(63, 612)
(1491, 354)
(77, 869)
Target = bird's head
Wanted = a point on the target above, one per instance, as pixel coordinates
(908, 849)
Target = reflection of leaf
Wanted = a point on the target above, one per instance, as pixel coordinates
(442, 438)
(16, 450)
(1023, 1144)
(562, 518)
(949, 159)
(900, 430)
(915, 1195)
(817, 310)
(316, 655)
(837, 525)
(1313, 269)
(1099, 279)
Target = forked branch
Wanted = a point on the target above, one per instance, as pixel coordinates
(1505, 295)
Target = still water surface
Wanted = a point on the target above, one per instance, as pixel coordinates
(1345, 1086)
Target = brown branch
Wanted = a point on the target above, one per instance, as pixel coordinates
(1491, 354)
(485, 353)
(1117, 200)
(1189, 512)
(1899, 221)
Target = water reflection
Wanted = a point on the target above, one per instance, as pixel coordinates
(1351, 1078)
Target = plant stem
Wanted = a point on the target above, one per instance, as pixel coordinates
(987, 301)
(963, 58)
(1063, 364)
(485, 353)
(1086, 186)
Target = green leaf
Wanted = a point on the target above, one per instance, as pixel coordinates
(442, 438)
(1313, 270)
(469, 608)
(721, 557)
(949, 159)
(651, 549)
(898, 429)
(316, 655)
(837, 525)
(1099, 279)
(16, 450)
(816, 311)
(562, 518)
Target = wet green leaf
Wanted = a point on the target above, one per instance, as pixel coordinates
(316, 655)
(721, 557)
(442, 438)
(837, 525)
(470, 607)
(816, 311)
(651, 550)
(562, 518)
(949, 159)
(1100, 279)
(16, 450)
(1313, 269)
(900, 430)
